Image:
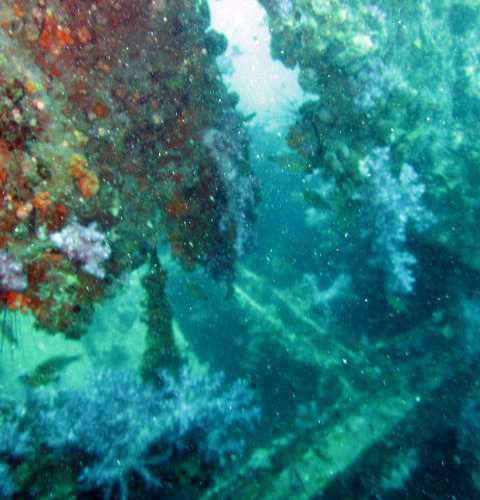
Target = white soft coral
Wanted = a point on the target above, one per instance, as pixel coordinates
(83, 244)
(12, 277)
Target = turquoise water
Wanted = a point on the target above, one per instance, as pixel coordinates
(240, 266)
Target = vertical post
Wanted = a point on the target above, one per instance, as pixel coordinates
(161, 352)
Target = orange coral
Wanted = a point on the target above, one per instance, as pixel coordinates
(87, 181)
(17, 301)
(88, 185)
(61, 210)
(53, 37)
(100, 110)
(31, 87)
(84, 35)
(64, 37)
(176, 208)
(42, 202)
(23, 210)
(78, 166)
(5, 154)
(18, 11)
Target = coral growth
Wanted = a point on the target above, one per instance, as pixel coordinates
(16, 443)
(103, 110)
(12, 276)
(392, 204)
(389, 76)
(324, 300)
(85, 245)
(127, 429)
(115, 430)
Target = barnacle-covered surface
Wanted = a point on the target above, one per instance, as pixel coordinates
(105, 107)
(116, 135)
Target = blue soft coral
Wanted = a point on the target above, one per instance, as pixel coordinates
(124, 427)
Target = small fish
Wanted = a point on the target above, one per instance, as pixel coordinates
(48, 371)
(296, 481)
(8, 332)
(249, 117)
(230, 290)
(280, 262)
(397, 304)
(290, 162)
(236, 50)
(196, 291)
(315, 200)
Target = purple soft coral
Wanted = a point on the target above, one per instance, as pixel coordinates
(392, 204)
(83, 244)
(12, 277)
(126, 428)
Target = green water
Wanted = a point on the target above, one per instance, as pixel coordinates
(348, 306)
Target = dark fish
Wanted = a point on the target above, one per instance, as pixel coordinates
(8, 329)
(196, 291)
(290, 162)
(48, 371)
(296, 481)
(236, 50)
(315, 200)
(248, 118)
(9, 333)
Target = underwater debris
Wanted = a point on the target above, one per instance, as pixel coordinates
(228, 146)
(161, 351)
